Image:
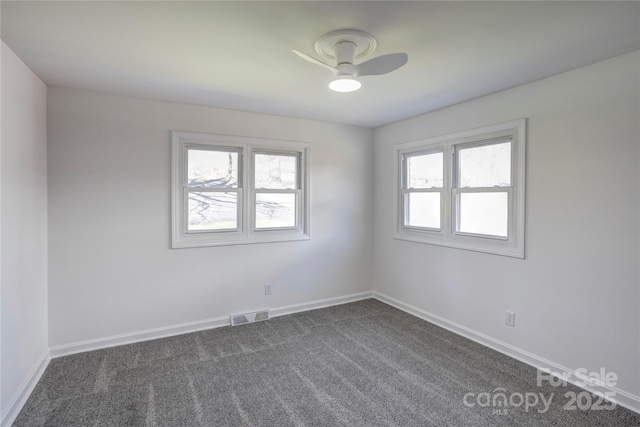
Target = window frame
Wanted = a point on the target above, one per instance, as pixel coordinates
(406, 190)
(246, 232)
(255, 191)
(448, 235)
(238, 189)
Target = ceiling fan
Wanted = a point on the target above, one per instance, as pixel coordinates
(345, 46)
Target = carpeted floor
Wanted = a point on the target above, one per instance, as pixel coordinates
(359, 364)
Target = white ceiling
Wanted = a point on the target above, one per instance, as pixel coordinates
(237, 55)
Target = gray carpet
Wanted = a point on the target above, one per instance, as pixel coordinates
(359, 364)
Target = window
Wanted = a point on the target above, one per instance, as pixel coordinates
(230, 190)
(277, 190)
(423, 190)
(213, 188)
(464, 190)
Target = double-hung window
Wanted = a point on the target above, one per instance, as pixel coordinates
(213, 188)
(423, 189)
(231, 190)
(482, 188)
(277, 190)
(465, 190)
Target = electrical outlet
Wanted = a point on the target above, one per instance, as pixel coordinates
(510, 318)
(267, 289)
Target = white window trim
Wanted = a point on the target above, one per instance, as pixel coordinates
(246, 233)
(514, 245)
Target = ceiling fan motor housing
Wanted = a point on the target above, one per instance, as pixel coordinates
(345, 53)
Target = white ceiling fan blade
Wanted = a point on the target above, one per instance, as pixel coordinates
(381, 65)
(314, 60)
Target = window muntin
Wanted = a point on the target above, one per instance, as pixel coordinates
(231, 190)
(481, 195)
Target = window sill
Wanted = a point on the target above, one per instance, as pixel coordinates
(239, 240)
(468, 243)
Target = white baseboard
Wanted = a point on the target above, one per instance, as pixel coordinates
(135, 337)
(328, 302)
(622, 398)
(25, 390)
(184, 328)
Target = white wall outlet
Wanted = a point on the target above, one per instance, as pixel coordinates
(510, 318)
(267, 289)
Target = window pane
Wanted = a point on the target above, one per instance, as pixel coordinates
(212, 211)
(277, 172)
(485, 166)
(424, 171)
(423, 210)
(208, 168)
(275, 210)
(484, 213)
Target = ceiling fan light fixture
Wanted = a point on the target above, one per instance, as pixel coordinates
(345, 83)
(343, 47)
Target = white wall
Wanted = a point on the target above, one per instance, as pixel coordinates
(24, 227)
(112, 271)
(577, 294)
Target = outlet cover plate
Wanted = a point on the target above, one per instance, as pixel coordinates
(510, 318)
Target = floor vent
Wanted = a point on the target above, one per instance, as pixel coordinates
(256, 316)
